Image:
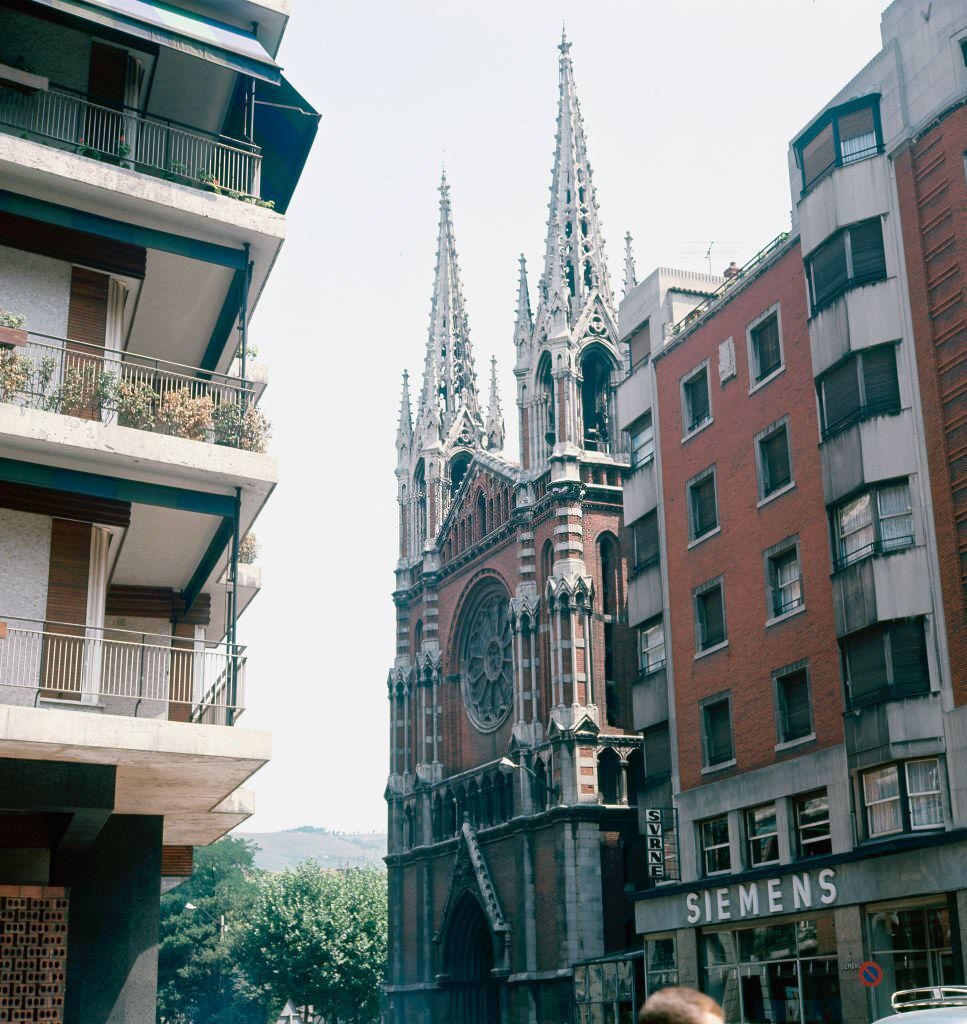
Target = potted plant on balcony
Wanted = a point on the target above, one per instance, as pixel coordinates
(185, 415)
(14, 374)
(11, 329)
(134, 402)
(247, 429)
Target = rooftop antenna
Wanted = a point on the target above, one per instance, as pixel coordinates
(708, 257)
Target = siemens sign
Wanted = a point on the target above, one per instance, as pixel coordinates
(755, 899)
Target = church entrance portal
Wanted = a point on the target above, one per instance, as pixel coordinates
(469, 960)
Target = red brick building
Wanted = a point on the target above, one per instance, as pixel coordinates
(512, 838)
(797, 541)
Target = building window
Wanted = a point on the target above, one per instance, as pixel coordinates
(639, 345)
(775, 463)
(662, 966)
(794, 716)
(903, 798)
(710, 628)
(644, 534)
(703, 514)
(765, 347)
(785, 581)
(714, 840)
(717, 731)
(886, 662)
(642, 441)
(877, 521)
(762, 835)
(843, 135)
(849, 258)
(696, 408)
(813, 836)
(864, 384)
(651, 647)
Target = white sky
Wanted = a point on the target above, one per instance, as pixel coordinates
(689, 107)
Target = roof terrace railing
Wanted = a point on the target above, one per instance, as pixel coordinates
(97, 383)
(128, 138)
(709, 303)
(141, 675)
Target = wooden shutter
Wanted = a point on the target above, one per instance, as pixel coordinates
(775, 461)
(880, 380)
(646, 541)
(86, 331)
(181, 677)
(909, 654)
(70, 563)
(866, 245)
(841, 395)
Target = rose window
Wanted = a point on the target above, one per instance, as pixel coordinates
(487, 675)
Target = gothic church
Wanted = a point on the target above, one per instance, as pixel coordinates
(514, 767)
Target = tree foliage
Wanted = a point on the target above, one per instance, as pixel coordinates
(318, 937)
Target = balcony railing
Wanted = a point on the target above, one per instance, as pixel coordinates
(97, 383)
(142, 675)
(128, 138)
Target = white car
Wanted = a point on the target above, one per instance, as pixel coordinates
(943, 1004)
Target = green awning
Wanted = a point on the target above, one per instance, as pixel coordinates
(178, 29)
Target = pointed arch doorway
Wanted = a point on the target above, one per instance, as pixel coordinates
(468, 962)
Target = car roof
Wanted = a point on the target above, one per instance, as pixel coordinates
(934, 1015)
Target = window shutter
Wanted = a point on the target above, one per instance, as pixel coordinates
(795, 705)
(866, 666)
(712, 617)
(70, 563)
(86, 331)
(718, 732)
(703, 506)
(880, 380)
(866, 244)
(658, 757)
(827, 268)
(640, 343)
(697, 392)
(646, 541)
(841, 395)
(765, 341)
(910, 672)
(775, 460)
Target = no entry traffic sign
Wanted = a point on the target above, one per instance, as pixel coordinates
(871, 973)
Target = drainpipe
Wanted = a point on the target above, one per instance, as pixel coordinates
(243, 323)
(233, 612)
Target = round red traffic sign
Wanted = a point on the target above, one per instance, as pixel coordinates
(871, 973)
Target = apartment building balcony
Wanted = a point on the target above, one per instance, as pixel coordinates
(67, 120)
(650, 698)
(120, 672)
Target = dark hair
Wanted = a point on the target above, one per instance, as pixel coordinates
(679, 1006)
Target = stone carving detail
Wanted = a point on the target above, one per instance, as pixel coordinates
(487, 673)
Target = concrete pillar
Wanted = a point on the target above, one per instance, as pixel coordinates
(961, 901)
(112, 938)
(849, 951)
(686, 949)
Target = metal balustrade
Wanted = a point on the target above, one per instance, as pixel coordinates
(94, 382)
(142, 675)
(130, 139)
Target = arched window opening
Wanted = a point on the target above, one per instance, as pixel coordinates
(418, 637)
(596, 400)
(436, 818)
(491, 518)
(458, 470)
(473, 804)
(545, 384)
(419, 489)
(609, 557)
(609, 771)
(568, 229)
(482, 525)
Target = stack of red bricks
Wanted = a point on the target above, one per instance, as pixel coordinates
(33, 953)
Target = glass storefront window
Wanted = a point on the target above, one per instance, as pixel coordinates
(775, 974)
(914, 947)
(661, 964)
(605, 991)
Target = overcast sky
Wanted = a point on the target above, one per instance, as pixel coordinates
(688, 106)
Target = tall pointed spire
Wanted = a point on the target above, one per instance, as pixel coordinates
(495, 416)
(449, 380)
(404, 432)
(574, 250)
(631, 278)
(525, 323)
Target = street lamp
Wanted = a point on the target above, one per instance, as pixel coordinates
(508, 767)
(222, 927)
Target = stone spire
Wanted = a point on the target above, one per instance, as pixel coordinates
(631, 278)
(525, 322)
(574, 250)
(449, 380)
(495, 416)
(404, 432)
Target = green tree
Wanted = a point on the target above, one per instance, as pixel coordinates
(318, 937)
(198, 980)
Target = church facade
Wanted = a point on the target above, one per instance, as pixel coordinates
(514, 766)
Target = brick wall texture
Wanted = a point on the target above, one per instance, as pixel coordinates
(33, 953)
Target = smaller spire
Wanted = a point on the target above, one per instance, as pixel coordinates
(564, 46)
(404, 432)
(525, 323)
(631, 278)
(495, 416)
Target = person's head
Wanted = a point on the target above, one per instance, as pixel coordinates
(680, 1006)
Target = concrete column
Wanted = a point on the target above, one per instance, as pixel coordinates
(849, 951)
(112, 938)
(686, 949)
(960, 898)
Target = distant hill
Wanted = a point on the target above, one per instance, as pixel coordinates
(280, 850)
